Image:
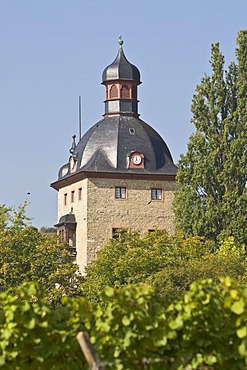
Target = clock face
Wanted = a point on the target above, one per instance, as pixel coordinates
(137, 159)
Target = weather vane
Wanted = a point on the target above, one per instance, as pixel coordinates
(120, 41)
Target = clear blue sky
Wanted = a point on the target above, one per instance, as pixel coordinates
(52, 51)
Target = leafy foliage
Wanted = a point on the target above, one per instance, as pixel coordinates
(4, 216)
(27, 255)
(33, 336)
(168, 263)
(212, 200)
(205, 329)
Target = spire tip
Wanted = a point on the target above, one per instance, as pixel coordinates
(120, 41)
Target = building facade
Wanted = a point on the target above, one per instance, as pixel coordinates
(120, 175)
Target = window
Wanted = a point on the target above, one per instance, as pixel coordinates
(113, 92)
(79, 193)
(65, 199)
(72, 196)
(156, 194)
(61, 236)
(117, 232)
(125, 92)
(120, 192)
(151, 230)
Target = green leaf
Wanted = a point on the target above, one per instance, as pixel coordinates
(242, 349)
(238, 307)
(109, 292)
(31, 324)
(176, 323)
(126, 321)
(242, 332)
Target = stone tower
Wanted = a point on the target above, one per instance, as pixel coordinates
(120, 175)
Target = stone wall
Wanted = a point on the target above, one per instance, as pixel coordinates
(79, 208)
(136, 212)
(98, 212)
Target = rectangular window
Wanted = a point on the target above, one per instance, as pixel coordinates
(65, 199)
(156, 194)
(72, 196)
(79, 193)
(117, 232)
(61, 236)
(120, 192)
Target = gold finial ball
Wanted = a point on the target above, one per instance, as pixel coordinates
(120, 41)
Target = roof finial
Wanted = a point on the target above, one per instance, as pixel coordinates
(72, 149)
(120, 41)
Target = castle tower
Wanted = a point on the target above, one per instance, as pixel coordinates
(120, 175)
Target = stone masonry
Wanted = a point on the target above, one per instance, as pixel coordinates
(98, 212)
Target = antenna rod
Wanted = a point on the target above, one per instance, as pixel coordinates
(80, 117)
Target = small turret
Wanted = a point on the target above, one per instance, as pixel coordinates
(121, 79)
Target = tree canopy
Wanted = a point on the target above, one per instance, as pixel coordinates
(28, 255)
(168, 263)
(212, 200)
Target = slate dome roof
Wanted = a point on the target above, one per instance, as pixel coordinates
(107, 145)
(69, 218)
(121, 69)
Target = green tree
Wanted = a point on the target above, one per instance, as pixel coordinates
(28, 255)
(212, 200)
(4, 217)
(168, 263)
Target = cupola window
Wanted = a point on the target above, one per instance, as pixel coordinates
(125, 92)
(113, 92)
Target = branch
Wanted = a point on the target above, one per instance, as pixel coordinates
(90, 354)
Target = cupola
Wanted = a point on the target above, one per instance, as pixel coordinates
(121, 79)
(120, 142)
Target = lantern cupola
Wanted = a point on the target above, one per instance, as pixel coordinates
(121, 79)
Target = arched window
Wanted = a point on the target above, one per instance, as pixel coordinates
(125, 92)
(113, 92)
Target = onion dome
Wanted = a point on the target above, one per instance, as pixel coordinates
(121, 142)
(121, 68)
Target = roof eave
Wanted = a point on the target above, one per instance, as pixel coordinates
(73, 178)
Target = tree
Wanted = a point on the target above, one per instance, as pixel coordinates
(48, 230)
(212, 200)
(168, 263)
(28, 255)
(4, 217)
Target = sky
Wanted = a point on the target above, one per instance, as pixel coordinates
(53, 51)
